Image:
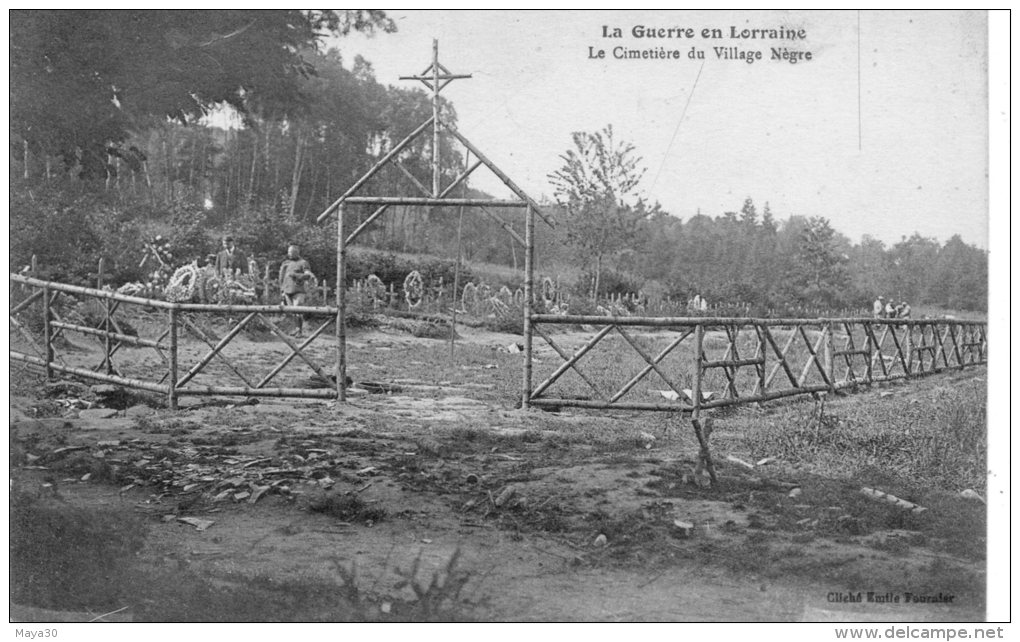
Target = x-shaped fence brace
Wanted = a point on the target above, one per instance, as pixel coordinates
(216, 347)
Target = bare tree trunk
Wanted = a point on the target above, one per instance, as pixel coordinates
(148, 182)
(168, 192)
(513, 250)
(310, 195)
(254, 164)
(25, 161)
(295, 180)
(191, 165)
(266, 159)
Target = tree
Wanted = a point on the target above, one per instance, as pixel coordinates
(748, 214)
(821, 265)
(592, 185)
(83, 80)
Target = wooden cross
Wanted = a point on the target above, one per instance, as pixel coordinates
(436, 77)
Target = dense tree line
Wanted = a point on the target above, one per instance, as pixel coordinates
(117, 133)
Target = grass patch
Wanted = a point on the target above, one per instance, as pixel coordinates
(66, 557)
(940, 443)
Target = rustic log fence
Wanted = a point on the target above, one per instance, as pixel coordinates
(685, 364)
(159, 362)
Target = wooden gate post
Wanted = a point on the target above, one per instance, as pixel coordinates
(699, 358)
(107, 341)
(702, 429)
(171, 396)
(529, 277)
(341, 308)
(47, 333)
(909, 343)
(830, 359)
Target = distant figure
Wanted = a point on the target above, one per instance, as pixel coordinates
(903, 310)
(878, 309)
(890, 311)
(229, 261)
(295, 272)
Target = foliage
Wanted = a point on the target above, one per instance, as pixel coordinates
(591, 185)
(82, 80)
(104, 170)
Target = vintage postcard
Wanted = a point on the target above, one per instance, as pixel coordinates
(496, 316)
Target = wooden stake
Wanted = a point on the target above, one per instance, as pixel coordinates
(341, 308)
(47, 334)
(171, 395)
(529, 278)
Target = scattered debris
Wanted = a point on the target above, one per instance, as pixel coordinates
(98, 413)
(741, 462)
(688, 394)
(794, 494)
(504, 496)
(601, 541)
(766, 460)
(258, 492)
(682, 529)
(972, 494)
(199, 524)
(892, 499)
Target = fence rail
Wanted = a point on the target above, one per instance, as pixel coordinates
(159, 362)
(690, 364)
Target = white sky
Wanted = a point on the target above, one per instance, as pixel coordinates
(782, 133)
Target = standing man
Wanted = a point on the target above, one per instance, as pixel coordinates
(295, 272)
(878, 309)
(229, 260)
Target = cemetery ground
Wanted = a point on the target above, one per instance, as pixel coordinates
(433, 497)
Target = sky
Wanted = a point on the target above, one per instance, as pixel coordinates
(885, 136)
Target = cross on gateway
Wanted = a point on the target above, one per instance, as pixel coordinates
(435, 77)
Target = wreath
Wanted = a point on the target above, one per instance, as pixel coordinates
(182, 284)
(376, 289)
(414, 289)
(468, 298)
(548, 292)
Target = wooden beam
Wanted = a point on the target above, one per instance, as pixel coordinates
(283, 364)
(188, 376)
(375, 168)
(570, 362)
(498, 172)
(652, 363)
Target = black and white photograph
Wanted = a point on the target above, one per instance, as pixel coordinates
(431, 316)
